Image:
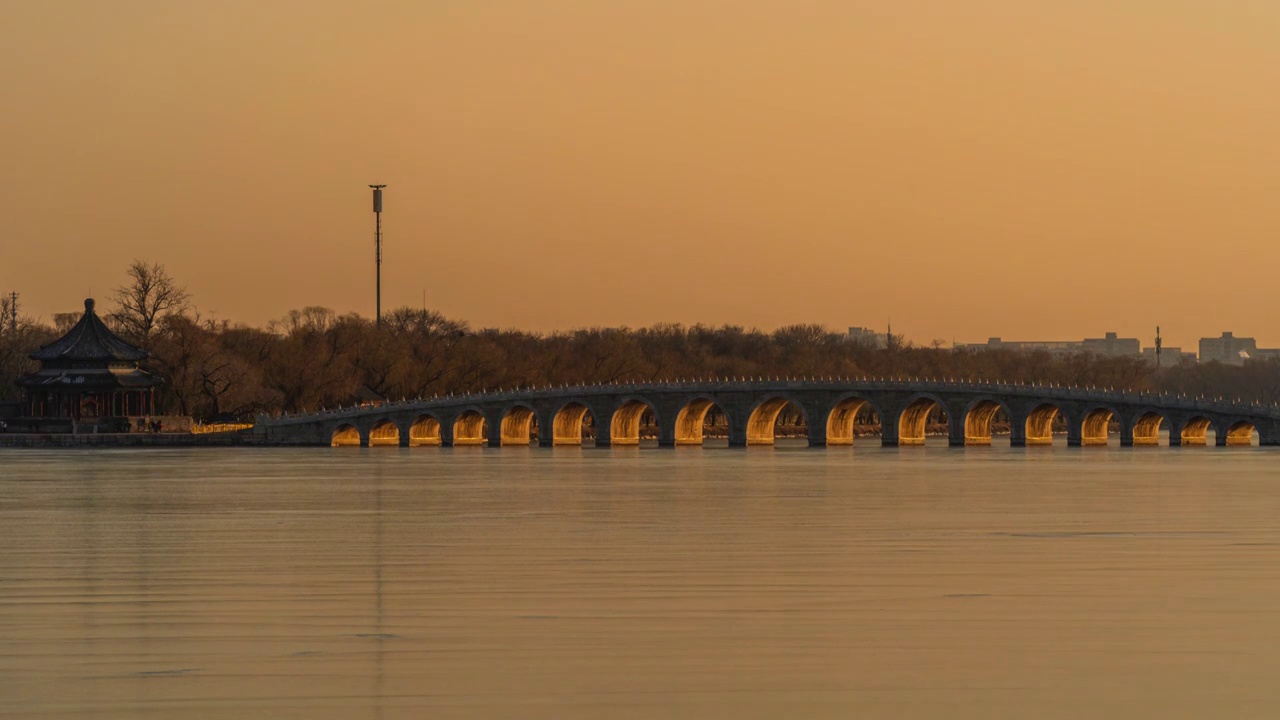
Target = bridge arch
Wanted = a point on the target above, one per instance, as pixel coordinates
(913, 422)
(1095, 425)
(1040, 423)
(569, 423)
(470, 427)
(383, 433)
(626, 419)
(345, 435)
(518, 421)
(1195, 430)
(763, 419)
(843, 420)
(980, 416)
(1146, 425)
(424, 430)
(692, 418)
(1239, 433)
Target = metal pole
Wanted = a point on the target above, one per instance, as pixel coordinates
(377, 233)
(377, 247)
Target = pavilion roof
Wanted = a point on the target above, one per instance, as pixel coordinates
(90, 339)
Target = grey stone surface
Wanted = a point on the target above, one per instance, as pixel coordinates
(750, 406)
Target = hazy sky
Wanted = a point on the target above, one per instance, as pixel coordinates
(1032, 170)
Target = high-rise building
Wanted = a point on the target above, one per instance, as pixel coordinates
(1227, 349)
(869, 337)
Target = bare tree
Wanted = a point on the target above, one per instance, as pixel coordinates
(9, 312)
(62, 322)
(148, 297)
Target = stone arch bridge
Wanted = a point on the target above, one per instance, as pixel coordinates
(832, 410)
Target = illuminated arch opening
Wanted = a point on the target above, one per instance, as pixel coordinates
(470, 429)
(1096, 428)
(776, 417)
(345, 435)
(699, 419)
(982, 418)
(571, 424)
(425, 430)
(633, 420)
(1146, 429)
(519, 426)
(384, 433)
(851, 417)
(1043, 422)
(1195, 432)
(1241, 434)
(923, 416)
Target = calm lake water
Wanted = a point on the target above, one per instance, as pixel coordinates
(640, 583)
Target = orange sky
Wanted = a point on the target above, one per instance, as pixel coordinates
(993, 167)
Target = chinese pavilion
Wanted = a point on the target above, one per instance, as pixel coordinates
(89, 375)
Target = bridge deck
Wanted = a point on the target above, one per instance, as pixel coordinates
(748, 408)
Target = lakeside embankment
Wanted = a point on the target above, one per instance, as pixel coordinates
(110, 440)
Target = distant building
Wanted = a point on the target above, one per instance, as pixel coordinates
(996, 343)
(1169, 356)
(868, 337)
(1227, 349)
(1232, 350)
(1110, 345)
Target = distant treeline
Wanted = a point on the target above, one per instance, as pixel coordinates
(313, 358)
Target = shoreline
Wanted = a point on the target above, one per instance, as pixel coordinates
(125, 440)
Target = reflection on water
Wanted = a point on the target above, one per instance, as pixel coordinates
(689, 583)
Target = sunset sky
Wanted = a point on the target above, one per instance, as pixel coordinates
(1031, 170)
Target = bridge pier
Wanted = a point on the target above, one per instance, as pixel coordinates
(1075, 430)
(1017, 429)
(890, 422)
(604, 433)
(1126, 434)
(818, 431)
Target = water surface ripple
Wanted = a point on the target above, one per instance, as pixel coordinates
(640, 583)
